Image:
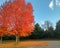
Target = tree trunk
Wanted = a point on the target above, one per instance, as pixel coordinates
(1, 39)
(17, 39)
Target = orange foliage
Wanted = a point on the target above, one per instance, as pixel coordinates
(18, 18)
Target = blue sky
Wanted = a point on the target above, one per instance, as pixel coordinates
(43, 12)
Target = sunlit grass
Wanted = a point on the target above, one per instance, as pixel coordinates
(12, 44)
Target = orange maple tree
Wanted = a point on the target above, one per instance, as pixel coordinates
(18, 18)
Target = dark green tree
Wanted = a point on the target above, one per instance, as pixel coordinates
(38, 32)
(57, 31)
(58, 26)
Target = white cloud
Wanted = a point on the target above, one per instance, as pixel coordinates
(57, 2)
(51, 5)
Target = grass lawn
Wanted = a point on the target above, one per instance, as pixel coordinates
(12, 44)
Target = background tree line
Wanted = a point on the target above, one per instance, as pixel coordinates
(47, 31)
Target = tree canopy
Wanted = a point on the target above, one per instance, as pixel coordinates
(17, 18)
